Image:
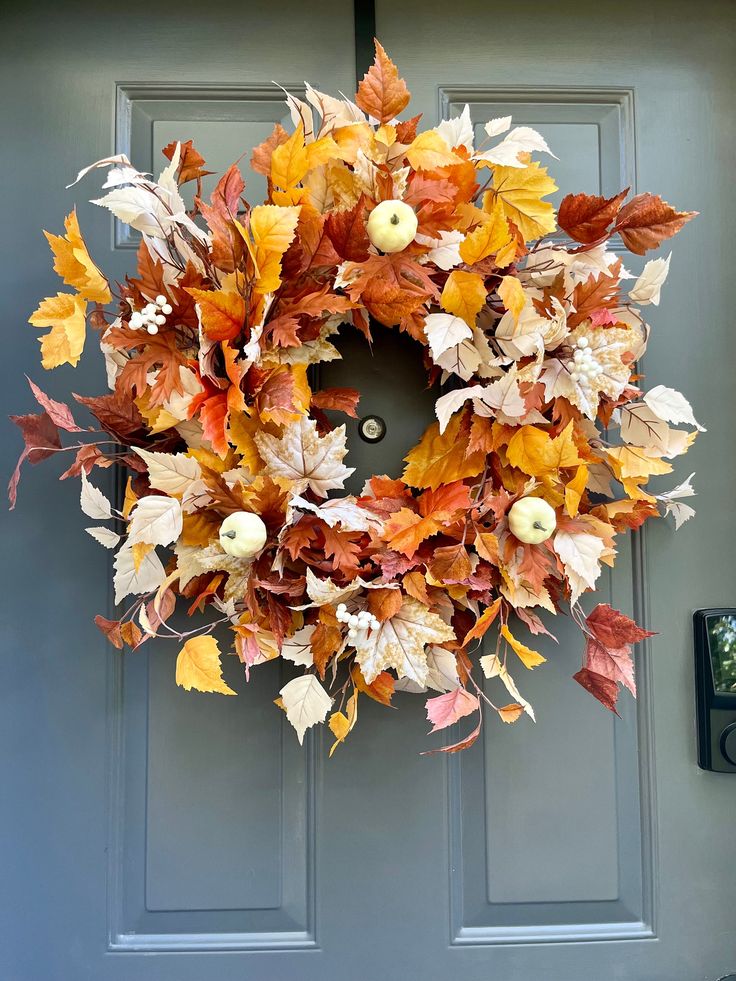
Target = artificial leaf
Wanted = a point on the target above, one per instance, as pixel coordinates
(172, 473)
(646, 221)
(65, 315)
(273, 230)
(198, 666)
(302, 456)
(222, 312)
(588, 217)
(445, 710)
(382, 93)
(306, 703)
(442, 458)
(519, 191)
(599, 686)
(73, 263)
(464, 295)
(613, 628)
(93, 501)
(529, 658)
(155, 521)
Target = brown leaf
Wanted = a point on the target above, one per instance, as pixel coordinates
(600, 687)
(59, 413)
(347, 232)
(381, 93)
(337, 400)
(384, 603)
(41, 438)
(260, 161)
(646, 221)
(613, 628)
(587, 217)
(191, 163)
(117, 413)
(381, 689)
(593, 294)
(450, 564)
(326, 639)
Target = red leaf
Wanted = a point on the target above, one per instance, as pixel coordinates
(457, 747)
(338, 400)
(612, 662)
(587, 217)
(117, 413)
(347, 232)
(600, 687)
(41, 438)
(646, 221)
(60, 414)
(445, 710)
(191, 163)
(613, 629)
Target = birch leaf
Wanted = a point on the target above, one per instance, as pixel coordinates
(445, 331)
(445, 710)
(172, 473)
(298, 648)
(671, 406)
(155, 521)
(521, 139)
(106, 538)
(198, 666)
(648, 286)
(306, 703)
(148, 577)
(93, 501)
(493, 668)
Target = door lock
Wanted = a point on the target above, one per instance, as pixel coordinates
(715, 679)
(372, 429)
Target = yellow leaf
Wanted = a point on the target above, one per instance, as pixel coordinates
(242, 431)
(140, 550)
(490, 236)
(131, 498)
(510, 713)
(519, 191)
(290, 161)
(464, 295)
(198, 666)
(199, 528)
(537, 454)
(322, 150)
(440, 459)
(73, 263)
(527, 450)
(574, 490)
(350, 139)
(512, 295)
(632, 461)
(341, 724)
(65, 315)
(273, 230)
(429, 151)
(529, 658)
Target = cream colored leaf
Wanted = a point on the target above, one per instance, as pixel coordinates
(303, 457)
(107, 538)
(198, 666)
(155, 520)
(93, 501)
(298, 649)
(148, 577)
(521, 139)
(400, 643)
(444, 332)
(306, 703)
(493, 668)
(458, 131)
(671, 406)
(172, 473)
(648, 286)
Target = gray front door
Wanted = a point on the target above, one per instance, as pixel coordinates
(149, 834)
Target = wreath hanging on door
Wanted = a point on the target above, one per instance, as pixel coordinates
(511, 503)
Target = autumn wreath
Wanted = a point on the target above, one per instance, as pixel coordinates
(511, 502)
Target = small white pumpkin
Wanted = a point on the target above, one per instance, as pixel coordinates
(532, 520)
(392, 225)
(243, 534)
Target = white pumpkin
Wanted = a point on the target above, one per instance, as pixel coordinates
(532, 520)
(243, 534)
(392, 225)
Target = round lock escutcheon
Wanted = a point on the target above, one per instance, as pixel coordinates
(728, 744)
(372, 429)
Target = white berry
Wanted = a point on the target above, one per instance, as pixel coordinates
(166, 308)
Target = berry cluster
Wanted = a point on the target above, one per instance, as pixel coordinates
(356, 622)
(152, 316)
(585, 367)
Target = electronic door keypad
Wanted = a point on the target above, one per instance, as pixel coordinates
(715, 679)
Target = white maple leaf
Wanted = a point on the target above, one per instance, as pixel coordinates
(93, 502)
(104, 536)
(306, 703)
(149, 576)
(324, 591)
(155, 521)
(648, 286)
(400, 643)
(458, 131)
(306, 459)
(298, 648)
(671, 406)
(172, 473)
(521, 139)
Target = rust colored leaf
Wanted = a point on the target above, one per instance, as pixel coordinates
(646, 221)
(111, 629)
(384, 603)
(347, 232)
(382, 93)
(600, 687)
(587, 217)
(191, 163)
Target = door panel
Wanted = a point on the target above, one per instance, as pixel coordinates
(151, 834)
